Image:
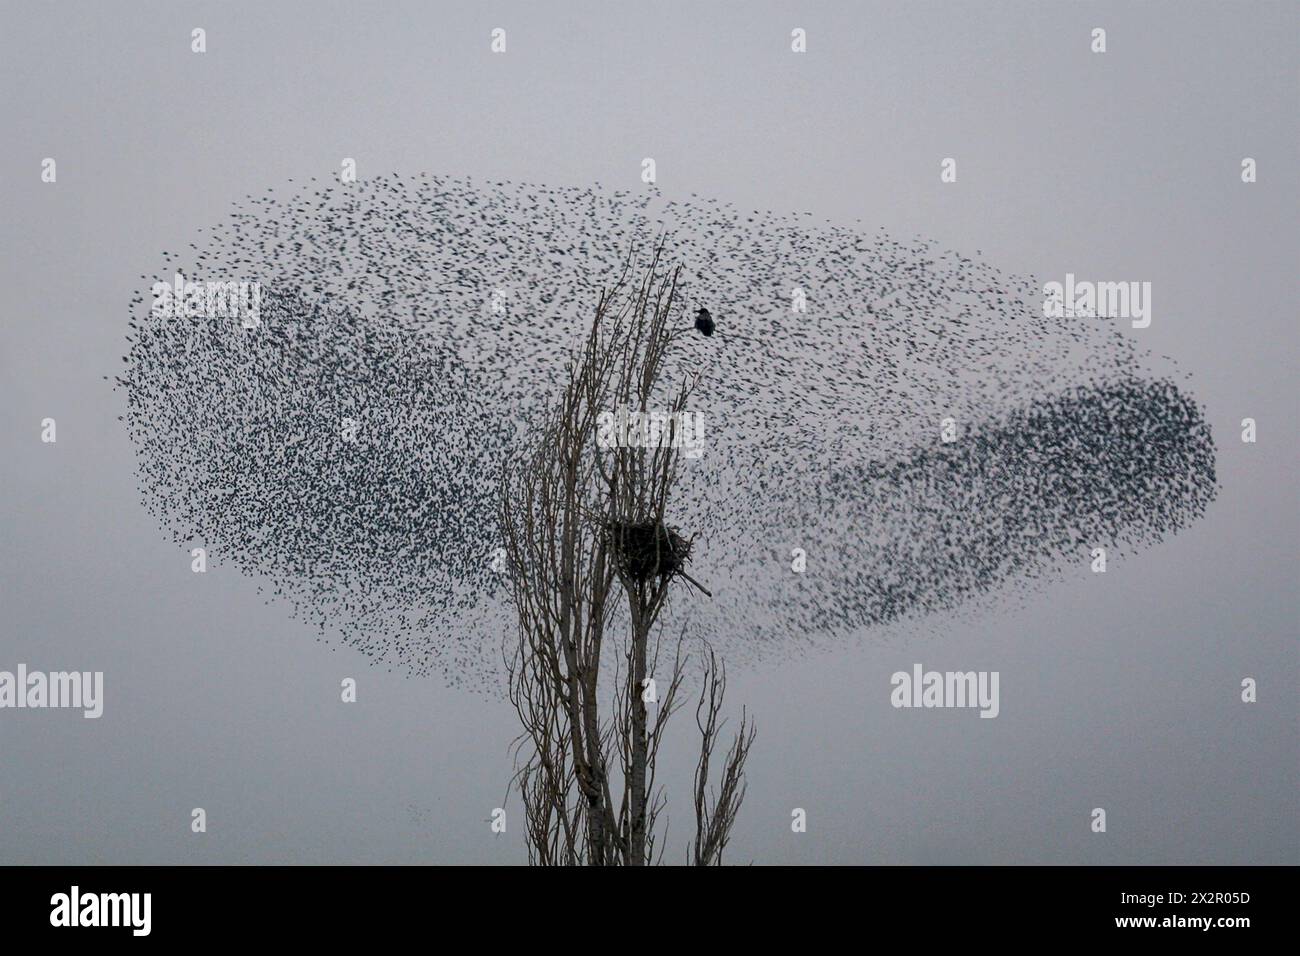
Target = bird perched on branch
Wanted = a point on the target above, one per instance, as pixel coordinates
(704, 322)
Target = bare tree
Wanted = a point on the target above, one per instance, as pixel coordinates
(585, 523)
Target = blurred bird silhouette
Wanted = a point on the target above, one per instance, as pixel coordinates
(704, 322)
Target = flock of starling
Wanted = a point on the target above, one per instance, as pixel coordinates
(347, 450)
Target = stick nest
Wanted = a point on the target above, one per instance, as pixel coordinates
(647, 548)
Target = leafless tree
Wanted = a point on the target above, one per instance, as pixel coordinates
(586, 532)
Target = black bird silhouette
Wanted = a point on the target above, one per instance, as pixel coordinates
(704, 322)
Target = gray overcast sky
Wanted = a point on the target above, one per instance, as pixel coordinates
(1119, 691)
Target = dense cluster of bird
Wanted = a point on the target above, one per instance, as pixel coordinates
(347, 449)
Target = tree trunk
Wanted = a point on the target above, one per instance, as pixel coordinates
(636, 692)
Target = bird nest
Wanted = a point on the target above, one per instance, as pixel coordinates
(648, 548)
